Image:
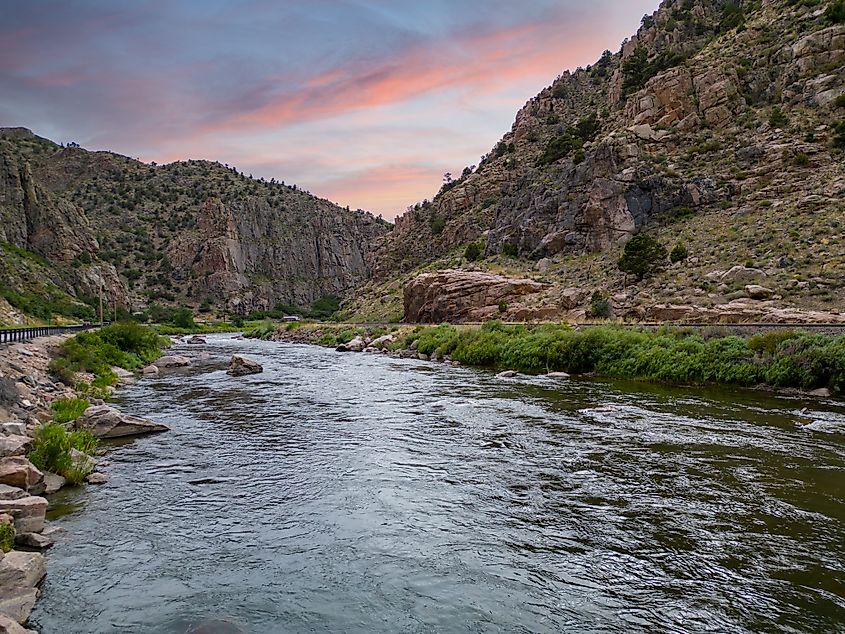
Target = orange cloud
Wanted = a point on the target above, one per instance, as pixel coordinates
(470, 62)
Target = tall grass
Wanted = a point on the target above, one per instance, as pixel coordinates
(779, 359)
(68, 409)
(51, 451)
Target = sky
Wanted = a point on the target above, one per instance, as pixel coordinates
(365, 102)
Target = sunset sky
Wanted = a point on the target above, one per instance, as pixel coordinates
(365, 102)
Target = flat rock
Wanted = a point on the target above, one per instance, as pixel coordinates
(33, 540)
(19, 569)
(123, 375)
(11, 493)
(507, 374)
(19, 472)
(557, 375)
(755, 291)
(14, 445)
(28, 512)
(16, 605)
(13, 429)
(822, 392)
(242, 366)
(150, 370)
(105, 421)
(52, 483)
(97, 478)
(172, 361)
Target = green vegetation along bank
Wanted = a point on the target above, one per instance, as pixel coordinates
(782, 359)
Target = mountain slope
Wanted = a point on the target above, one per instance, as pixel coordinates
(715, 125)
(192, 232)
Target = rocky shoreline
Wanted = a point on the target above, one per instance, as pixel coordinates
(27, 392)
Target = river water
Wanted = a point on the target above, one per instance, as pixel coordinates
(357, 493)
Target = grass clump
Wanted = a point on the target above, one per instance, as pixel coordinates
(262, 330)
(780, 359)
(51, 451)
(7, 537)
(69, 409)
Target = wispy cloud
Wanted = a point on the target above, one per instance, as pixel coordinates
(363, 101)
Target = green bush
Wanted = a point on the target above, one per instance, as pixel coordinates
(835, 12)
(473, 252)
(69, 409)
(838, 140)
(123, 344)
(7, 537)
(437, 223)
(777, 118)
(183, 318)
(51, 451)
(643, 255)
(638, 68)
(679, 253)
(510, 250)
(325, 307)
(263, 330)
(600, 305)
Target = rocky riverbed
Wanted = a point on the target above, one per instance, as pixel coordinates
(27, 392)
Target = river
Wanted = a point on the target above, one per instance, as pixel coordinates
(358, 493)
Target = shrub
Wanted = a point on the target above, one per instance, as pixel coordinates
(473, 252)
(600, 305)
(643, 255)
(679, 253)
(801, 160)
(839, 102)
(69, 409)
(437, 223)
(835, 12)
(838, 140)
(7, 537)
(325, 307)
(262, 330)
(777, 118)
(503, 307)
(183, 318)
(238, 321)
(510, 249)
(638, 69)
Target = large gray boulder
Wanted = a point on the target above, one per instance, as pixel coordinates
(16, 605)
(241, 366)
(105, 421)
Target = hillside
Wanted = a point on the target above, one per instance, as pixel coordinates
(195, 233)
(718, 126)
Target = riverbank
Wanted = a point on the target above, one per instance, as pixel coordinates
(53, 415)
(777, 360)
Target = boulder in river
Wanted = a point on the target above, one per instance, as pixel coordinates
(557, 375)
(507, 374)
(105, 421)
(172, 361)
(196, 339)
(52, 482)
(215, 627)
(150, 370)
(97, 478)
(241, 366)
(33, 540)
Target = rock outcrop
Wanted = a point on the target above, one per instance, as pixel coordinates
(455, 296)
(104, 421)
(198, 229)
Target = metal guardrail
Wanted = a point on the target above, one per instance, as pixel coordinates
(9, 335)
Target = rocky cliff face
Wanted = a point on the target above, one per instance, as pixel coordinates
(682, 120)
(192, 232)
